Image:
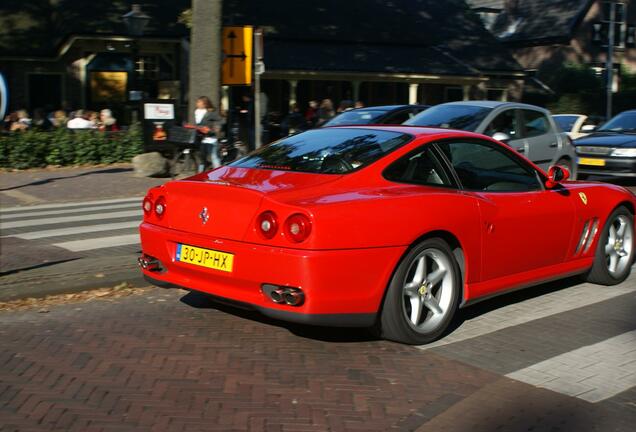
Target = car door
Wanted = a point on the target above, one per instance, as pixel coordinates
(507, 122)
(542, 141)
(524, 226)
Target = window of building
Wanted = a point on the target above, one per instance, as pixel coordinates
(147, 67)
(620, 25)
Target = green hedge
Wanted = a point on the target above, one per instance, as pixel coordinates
(32, 149)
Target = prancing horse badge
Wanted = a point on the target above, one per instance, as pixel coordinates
(583, 197)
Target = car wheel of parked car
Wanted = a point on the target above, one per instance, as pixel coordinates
(615, 250)
(423, 294)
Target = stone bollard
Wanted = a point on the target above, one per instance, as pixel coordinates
(150, 165)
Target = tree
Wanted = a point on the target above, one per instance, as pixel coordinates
(205, 52)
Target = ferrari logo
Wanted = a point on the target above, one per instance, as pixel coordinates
(583, 197)
(204, 215)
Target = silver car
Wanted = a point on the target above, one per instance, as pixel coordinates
(528, 129)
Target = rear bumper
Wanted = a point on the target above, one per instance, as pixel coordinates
(616, 167)
(341, 287)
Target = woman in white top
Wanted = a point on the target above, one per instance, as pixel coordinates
(208, 122)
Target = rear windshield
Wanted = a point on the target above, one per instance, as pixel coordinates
(325, 151)
(463, 117)
(356, 117)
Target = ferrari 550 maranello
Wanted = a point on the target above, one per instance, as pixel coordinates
(390, 227)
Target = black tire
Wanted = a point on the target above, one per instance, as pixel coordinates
(600, 273)
(393, 323)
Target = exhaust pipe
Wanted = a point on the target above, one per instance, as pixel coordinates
(149, 263)
(278, 295)
(294, 297)
(283, 295)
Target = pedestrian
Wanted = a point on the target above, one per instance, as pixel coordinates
(59, 118)
(359, 104)
(18, 121)
(208, 122)
(107, 123)
(345, 105)
(79, 121)
(40, 121)
(311, 115)
(325, 112)
(294, 122)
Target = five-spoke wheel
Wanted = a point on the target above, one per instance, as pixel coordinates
(423, 294)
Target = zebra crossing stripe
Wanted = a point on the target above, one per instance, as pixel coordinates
(66, 219)
(593, 373)
(34, 235)
(68, 205)
(99, 243)
(11, 216)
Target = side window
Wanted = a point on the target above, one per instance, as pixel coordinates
(506, 122)
(536, 123)
(481, 166)
(421, 167)
(398, 118)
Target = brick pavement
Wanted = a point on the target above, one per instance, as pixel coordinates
(167, 360)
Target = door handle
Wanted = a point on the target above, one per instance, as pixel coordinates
(521, 149)
(553, 145)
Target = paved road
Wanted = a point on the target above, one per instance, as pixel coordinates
(560, 357)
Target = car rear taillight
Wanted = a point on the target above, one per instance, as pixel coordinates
(267, 224)
(160, 207)
(147, 205)
(298, 227)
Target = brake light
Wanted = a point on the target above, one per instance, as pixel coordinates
(267, 224)
(160, 207)
(147, 205)
(298, 227)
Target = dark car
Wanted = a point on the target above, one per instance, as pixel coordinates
(387, 114)
(611, 149)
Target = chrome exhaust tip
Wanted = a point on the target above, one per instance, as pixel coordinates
(149, 263)
(277, 295)
(294, 297)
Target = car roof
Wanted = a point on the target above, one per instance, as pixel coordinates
(568, 115)
(416, 131)
(493, 104)
(386, 107)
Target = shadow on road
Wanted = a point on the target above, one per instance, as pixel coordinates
(200, 300)
(53, 179)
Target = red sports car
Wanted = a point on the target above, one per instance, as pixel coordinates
(396, 227)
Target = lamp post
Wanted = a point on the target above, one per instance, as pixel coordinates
(136, 22)
(610, 59)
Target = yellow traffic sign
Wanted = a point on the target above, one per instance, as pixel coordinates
(237, 55)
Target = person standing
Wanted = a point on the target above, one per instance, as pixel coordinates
(325, 112)
(208, 122)
(79, 121)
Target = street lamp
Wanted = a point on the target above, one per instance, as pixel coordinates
(136, 22)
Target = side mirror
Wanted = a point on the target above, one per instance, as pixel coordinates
(556, 175)
(500, 136)
(588, 128)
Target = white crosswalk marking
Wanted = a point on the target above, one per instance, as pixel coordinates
(532, 309)
(99, 243)
(70, 225)
(77, 230)
(593, 373)
(69, 205)
(64, 219)
(15, 215)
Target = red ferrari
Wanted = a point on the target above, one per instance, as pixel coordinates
(393, 227)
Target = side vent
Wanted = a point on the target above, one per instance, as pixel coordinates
(590, 229)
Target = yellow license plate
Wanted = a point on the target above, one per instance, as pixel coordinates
(205, 258)
(591, 161)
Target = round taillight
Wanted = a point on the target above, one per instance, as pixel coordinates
(267, 224)
(147, 205)
(160, 206)
(298, 227)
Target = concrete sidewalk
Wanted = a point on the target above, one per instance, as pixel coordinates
(40, 186)
(39, 267)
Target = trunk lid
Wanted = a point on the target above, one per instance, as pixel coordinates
(229, 199)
